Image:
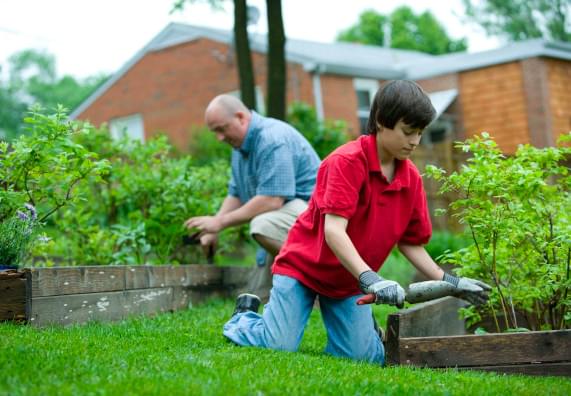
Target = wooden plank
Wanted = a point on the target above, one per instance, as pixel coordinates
(562, 369)
(105, 306)
(437, 317)
(487, 349)
(13, 296)
(432, 318)
(235, 277)
(76, 280)
(95, 279)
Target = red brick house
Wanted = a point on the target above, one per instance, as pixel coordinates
(520, 93)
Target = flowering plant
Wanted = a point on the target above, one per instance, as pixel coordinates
(16, 233)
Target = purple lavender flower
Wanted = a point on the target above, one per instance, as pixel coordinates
(22, 216)
(32, 211)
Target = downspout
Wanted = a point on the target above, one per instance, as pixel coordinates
(315, 70)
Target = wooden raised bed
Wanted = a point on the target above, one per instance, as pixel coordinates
(432, 335)
(66, 295)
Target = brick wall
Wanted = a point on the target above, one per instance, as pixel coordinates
(340, 101)
(172, 87)
(493, 100)
(559, 78)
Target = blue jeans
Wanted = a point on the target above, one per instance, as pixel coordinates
(350, 329)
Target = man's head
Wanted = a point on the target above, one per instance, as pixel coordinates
(229, 119)
(400, 100)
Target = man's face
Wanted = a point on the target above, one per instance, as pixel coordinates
(400, 141)
(229, 128)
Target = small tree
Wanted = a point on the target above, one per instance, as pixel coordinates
(518, 213)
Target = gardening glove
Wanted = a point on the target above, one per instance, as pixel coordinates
(471, 290)
(384, 291)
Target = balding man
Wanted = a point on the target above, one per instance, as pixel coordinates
(273, 175)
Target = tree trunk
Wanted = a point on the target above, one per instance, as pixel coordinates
(276, 61)
(244, 55)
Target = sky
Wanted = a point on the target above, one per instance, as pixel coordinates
(89, 37)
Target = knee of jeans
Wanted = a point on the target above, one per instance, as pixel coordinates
(283, 343)
(372, 354)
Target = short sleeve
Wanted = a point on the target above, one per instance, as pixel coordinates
(419, 228)
(275, 172)
(232, 187)
(339, 181)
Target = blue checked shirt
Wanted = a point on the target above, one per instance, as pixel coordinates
(274, 160)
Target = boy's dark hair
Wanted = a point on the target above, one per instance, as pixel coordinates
(400, 99)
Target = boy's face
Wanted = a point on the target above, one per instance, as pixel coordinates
(398, 142)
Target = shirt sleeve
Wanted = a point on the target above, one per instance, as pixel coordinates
(275, 172)
(419, 228)
(339, 181)
(232, 187)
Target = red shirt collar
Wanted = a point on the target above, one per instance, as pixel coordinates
(402, 176)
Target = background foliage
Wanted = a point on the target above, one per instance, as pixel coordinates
(409, 31)
(32, 79)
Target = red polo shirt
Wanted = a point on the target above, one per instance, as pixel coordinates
(381, 214)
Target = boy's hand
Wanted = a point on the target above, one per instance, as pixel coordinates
(385, 291)
(471, 290)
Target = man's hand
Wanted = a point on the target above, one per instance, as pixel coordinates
(208, 243)
(385, 291)
(471, 290)
(205, 224)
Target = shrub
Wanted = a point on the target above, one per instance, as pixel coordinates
(518, 213)
(45, 169)
(323, 136)
(136, 215)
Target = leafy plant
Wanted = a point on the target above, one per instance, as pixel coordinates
(518, 213)
(323, 136)
(135, 214)
(16, 233)
(44, 170)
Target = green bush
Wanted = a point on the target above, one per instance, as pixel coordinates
(518, 212)
(206, 149)
(323, 136)
(136, 215)
(46, 170)
(444, 242)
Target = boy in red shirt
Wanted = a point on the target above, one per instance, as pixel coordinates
(368, 198)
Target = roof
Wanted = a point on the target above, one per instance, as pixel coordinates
(355, 60)
(457, 62)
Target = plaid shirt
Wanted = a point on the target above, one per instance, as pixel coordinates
(274, 160)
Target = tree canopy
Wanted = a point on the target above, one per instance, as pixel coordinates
(522, 19)
(32, 79)
(408, 30)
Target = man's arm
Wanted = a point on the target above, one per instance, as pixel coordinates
(231, 213)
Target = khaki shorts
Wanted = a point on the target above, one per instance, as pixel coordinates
(277, 223)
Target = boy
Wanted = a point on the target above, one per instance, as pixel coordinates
(368, 198)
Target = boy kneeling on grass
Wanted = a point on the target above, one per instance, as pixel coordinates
(368, 198)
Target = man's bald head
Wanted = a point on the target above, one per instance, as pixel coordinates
(229, 118)
(226, 105)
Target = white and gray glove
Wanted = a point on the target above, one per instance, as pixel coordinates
(385, 291)
(471, 290)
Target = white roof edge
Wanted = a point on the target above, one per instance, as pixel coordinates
(441, 100)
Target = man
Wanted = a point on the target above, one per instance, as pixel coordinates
(273, 175)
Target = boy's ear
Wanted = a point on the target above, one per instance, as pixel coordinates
(379, 128)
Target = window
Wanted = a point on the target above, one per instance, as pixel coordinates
(131, 126)
(365, 90)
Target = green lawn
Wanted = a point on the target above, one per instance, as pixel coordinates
(185, 354)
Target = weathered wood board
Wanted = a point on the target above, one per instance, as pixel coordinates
(66, 295)
(432, 335)
(12, 296)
